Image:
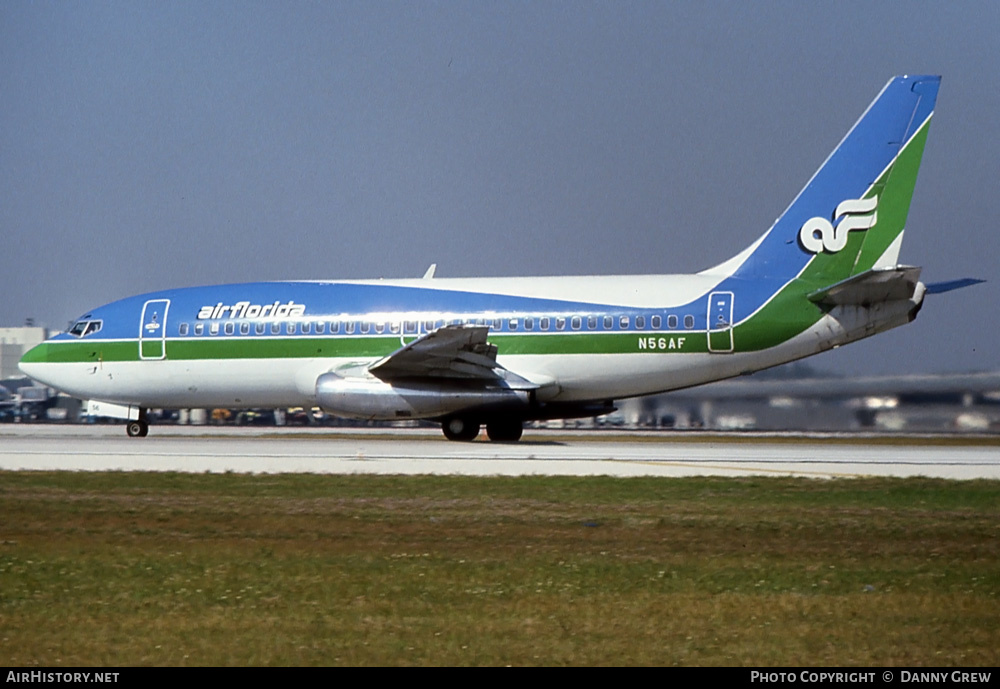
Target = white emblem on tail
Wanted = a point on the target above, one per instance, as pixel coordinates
(819, 234)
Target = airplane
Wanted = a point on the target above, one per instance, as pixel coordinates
(468, 352)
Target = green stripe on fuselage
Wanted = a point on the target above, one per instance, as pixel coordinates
(365, 347)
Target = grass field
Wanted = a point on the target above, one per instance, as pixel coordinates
(175, 569)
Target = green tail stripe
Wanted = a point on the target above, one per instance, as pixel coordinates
(789, 312)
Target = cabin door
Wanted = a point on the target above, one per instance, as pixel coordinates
(720, 322)
(153, 329)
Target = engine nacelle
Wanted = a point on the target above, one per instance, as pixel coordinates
(372, 399)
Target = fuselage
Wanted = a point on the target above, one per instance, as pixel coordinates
(579, 339)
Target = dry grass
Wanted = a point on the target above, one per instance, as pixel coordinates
(170, 569)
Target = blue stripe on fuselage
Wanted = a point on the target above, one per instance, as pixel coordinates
(357, 301)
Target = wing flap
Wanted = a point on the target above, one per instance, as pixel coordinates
(454, 352)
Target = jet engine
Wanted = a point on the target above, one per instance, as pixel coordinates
(370, 399)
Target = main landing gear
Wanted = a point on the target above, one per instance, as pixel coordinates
(460, 428)
(498, 430)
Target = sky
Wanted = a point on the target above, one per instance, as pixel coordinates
(150, 145)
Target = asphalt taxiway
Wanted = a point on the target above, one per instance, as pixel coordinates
(325, 451)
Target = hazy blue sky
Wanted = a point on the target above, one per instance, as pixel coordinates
(146, 145)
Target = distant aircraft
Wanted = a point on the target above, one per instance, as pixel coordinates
(501, 351)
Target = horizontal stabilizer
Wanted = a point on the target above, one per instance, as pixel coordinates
(870, 287)
(941, 287)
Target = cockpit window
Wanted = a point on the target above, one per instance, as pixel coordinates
(84, 328)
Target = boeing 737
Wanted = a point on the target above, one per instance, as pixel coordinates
(502, 351)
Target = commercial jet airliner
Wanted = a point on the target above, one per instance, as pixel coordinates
(501, 351)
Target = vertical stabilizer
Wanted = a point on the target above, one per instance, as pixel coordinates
(850, 216)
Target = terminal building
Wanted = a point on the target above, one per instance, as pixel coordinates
(14, 342)
(787, 399)
(20, 397)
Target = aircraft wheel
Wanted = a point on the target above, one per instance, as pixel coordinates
(459, 428)
(507, 431)
(137, 429)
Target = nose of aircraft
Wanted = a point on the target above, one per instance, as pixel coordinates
(32, 364)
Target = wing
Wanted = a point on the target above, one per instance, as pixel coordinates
(453, 352)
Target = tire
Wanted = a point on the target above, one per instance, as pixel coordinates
(460, 428)
(137, 429)
(505, 431)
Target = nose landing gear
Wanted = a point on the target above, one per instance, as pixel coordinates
(139, 428)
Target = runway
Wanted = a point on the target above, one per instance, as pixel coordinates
(328, 451)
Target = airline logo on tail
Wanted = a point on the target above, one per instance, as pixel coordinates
(819, 234)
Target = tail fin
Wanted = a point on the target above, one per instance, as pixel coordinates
(850, 217)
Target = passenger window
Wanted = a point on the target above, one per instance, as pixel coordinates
(655, 322)
(543, 323)
(334, 327)
(512, 324)
(380, 328)
(183, 329)
(230, 327)
(289, 328)
(576, 322)
(349, 327)
(259, 327)
(365, 327)
(560, 323)
(689, 321)
(591, 322)
(320, 328)
(640, 322)
(213, 329)
(623, 322)
(306, 328)
(410, 327)
(672, 322)
(529, 323)
(244, 328)
(275, 328)
(199, 328)
(609, 323)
